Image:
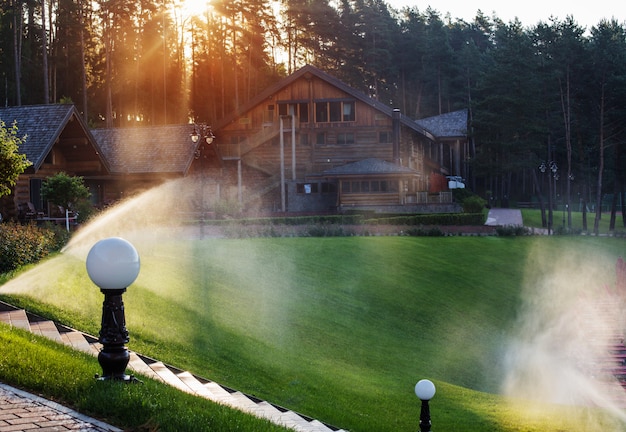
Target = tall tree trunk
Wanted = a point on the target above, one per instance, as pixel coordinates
(596, 223)
(17, 49)
(542, 206)
(81, 13)
(614, 204)
(108, 85)
(44, 45)
(584, 204)
(566, 108)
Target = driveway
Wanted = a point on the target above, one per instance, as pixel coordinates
(504, 217)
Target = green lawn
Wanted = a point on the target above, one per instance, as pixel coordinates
(532, 218)
(341, 329)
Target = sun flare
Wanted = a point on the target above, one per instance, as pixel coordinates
(189, 8)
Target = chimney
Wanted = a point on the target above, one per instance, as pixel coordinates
(396, 135)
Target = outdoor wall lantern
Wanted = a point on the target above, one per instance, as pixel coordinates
(203, 131)
(425, 390)
(113, 264)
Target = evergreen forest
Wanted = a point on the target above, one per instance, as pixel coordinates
(546, 102)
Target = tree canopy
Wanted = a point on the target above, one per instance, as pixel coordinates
(12, 162)
(550, 92)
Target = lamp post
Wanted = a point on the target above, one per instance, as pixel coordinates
(113, 264)
(551, 166)
(425, 390)
(201, 131)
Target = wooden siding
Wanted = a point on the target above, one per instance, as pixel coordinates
(362, 199)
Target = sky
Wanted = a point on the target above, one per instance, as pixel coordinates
(587, 13)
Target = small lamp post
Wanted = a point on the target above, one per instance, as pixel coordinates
(201, 131)
(113, 264)
(425, 390)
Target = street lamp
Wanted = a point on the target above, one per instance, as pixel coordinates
(425, 390)
(113, 264)
(202, 131)
(552, 167)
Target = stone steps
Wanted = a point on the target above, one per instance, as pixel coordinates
(182, 380)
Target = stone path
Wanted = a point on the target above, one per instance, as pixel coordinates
(22, 411)
(152, 368)
(504, 217)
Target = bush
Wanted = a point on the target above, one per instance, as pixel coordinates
(425, 232)
(512, 231)
(473, 204)
(23, 244)
(446, 219)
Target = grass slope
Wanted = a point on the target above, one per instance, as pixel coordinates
(66, 376)
(338, 328)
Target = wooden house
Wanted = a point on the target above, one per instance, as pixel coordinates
(311, 143)
(56, 139)
(308, 144)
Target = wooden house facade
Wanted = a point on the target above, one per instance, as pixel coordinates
(56, 140)
(308, 144)
(305, 134)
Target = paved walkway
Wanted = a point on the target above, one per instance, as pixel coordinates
(504, 217)
(22, 411)
(151, 368)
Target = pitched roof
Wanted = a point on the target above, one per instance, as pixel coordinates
(43, 125)
(371, 166)
(449, 125)
(154, 149)
(309, 70)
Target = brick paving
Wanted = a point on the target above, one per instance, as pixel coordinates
(22, 411)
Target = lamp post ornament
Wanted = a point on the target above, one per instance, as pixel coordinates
(425, 390)
(113, 264)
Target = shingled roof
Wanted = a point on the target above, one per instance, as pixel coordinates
(309, 70)
(371, 166)
(155, 149)
(449, 125)
(44, 125)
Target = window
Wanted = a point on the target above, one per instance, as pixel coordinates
(320, 138)
(369, 186)
(345, 138)
(299, 109)
(321, 112)
(348, 111)
(306, 188)
(303, 109)
(384, 137)
(329, 188)
(334, 111)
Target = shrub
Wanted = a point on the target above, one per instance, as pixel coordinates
(512, 231)
(425, 232)
(24, 244)
(473, 204)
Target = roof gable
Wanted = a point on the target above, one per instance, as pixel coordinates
(310, 70)
(43, 125)
(154, 149)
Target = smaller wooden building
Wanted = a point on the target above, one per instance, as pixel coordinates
(57, 139)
